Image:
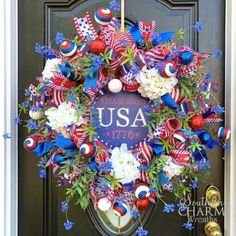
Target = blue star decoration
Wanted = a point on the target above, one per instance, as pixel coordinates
(43, 174)
(59, 38)
(168, 208)
(6, 135)
(188, 225)
(218, 53)
(198, 26)
(135, 213)
(114, 5)
(68, 225)
(64, 207)
(141, 231)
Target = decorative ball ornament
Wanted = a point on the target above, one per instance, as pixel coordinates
(68, 48)
(142, 204)
(223, 133)
(104, 204)
(30, 144)
(196, 122)
(98, 46)
(35, 115)
(205, 137)
(103, 16)
(115, 86)
(87, 149)
(120, 209)
(168, 69)
(186, 57)
(179, 136)
(142, 191)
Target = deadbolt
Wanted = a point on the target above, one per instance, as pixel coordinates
(213, 196)
(213, 229)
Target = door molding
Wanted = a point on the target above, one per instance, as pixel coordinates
(230, 117)
(8, 107)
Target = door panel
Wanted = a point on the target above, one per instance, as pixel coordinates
(39, 20)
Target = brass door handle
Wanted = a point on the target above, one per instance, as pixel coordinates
(213, 229)
(213, 196)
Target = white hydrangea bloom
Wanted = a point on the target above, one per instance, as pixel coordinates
(153, 85)
(50, 66)
(171, 169)
(124, 164)
(63, 116)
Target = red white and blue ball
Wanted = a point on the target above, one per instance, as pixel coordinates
(179, 136)
(186, 57)
(104, 204)
(30, 144)
(142, 191)
(68, 48)
(120, 209)
(168, 69)
(223, 133)
(87, 149)
(103, 16)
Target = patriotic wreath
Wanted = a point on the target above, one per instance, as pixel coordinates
(180, 95)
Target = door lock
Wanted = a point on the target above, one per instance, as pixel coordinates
(212, 229)
(213, 196)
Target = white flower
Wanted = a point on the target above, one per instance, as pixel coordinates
(50, 66)
(63, 116)
(153, 85)
(124, 164)
(171, 169)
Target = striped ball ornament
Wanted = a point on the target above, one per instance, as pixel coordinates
(30, 144)
(168, 69)
(142, 191)
(223, 133)
(120, 209)
(103, 16)
(68, 48)
(87, 149)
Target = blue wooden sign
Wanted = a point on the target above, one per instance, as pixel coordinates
(122, 119)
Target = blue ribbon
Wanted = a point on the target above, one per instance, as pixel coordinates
(136, 34)
(163, 38)
(208, 113)
(60, 142)
(200, 154)
(91, 80)
(163, 179)
(67, 71)
(64, 143)
(43, 148)
(156, 147)
(169, 101)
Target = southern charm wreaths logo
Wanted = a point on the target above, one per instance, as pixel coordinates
(122, 117)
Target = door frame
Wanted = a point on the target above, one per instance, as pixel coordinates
(9, 101)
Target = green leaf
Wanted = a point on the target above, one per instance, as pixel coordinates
(180, 34)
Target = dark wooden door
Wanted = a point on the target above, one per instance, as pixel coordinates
(39, 20)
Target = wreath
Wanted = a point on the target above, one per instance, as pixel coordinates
(181, 103)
